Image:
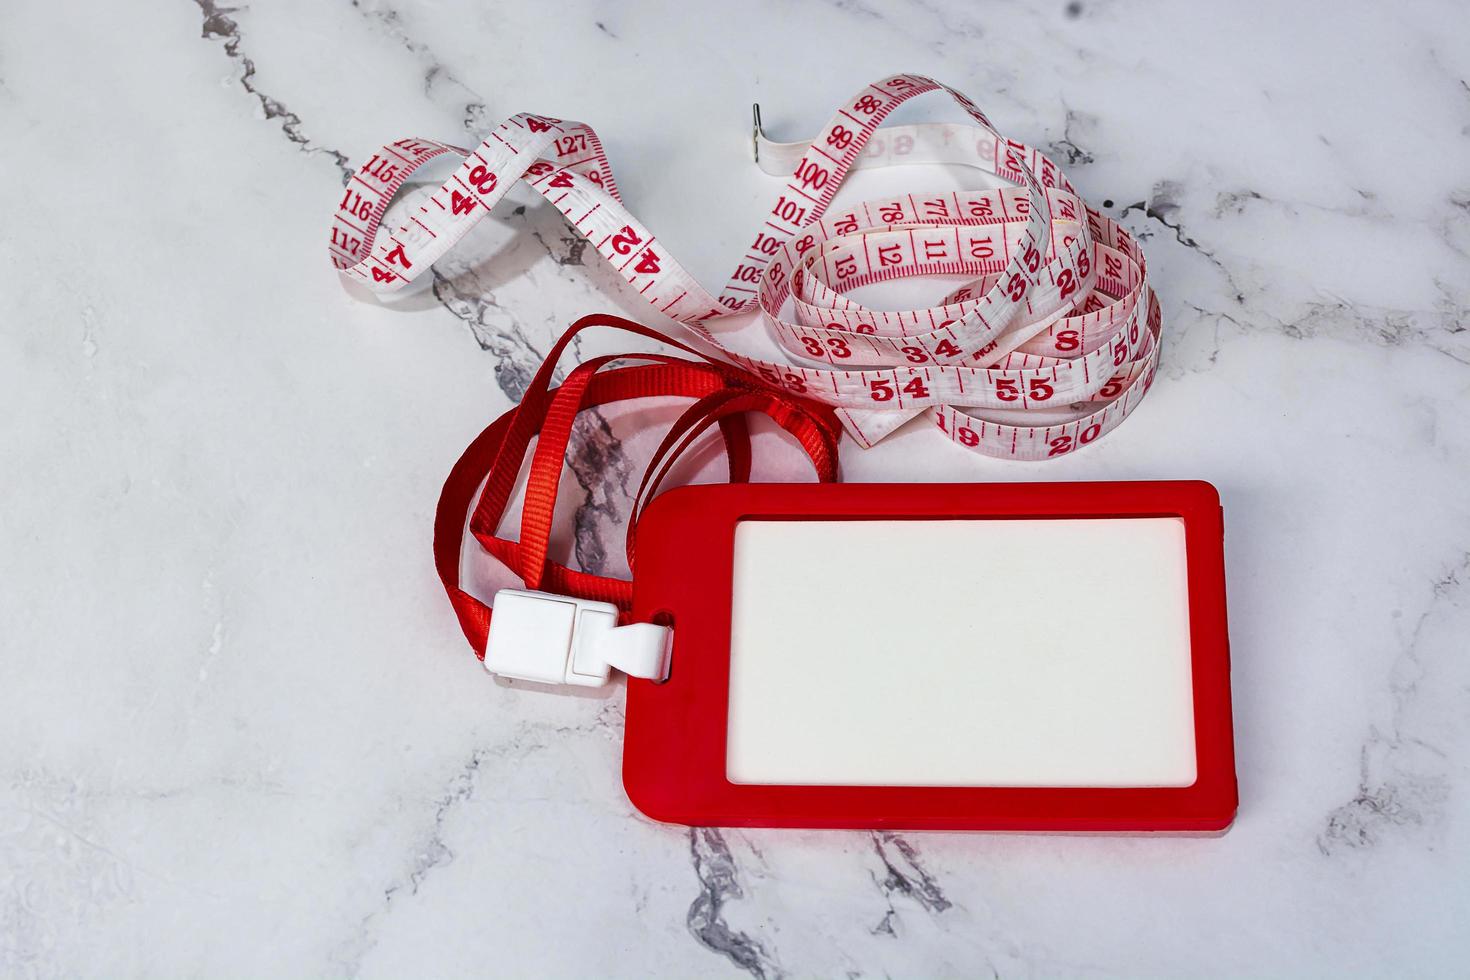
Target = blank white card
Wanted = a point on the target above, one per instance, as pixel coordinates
(968, 652)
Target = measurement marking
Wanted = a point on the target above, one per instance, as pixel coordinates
(367, 185)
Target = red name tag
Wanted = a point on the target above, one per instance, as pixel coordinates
(1042, 657)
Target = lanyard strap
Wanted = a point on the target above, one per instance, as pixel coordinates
(722, 396)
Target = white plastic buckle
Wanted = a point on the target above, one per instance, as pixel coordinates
(552, 639)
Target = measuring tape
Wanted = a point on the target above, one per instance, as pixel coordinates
(1050, 346)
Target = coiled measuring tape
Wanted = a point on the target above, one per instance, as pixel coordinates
(1050, 346)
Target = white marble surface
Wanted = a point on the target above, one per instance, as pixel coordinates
(240, 734)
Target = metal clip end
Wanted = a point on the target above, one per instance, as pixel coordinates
(755, 130)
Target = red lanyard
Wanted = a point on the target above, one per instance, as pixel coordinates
(722, 396)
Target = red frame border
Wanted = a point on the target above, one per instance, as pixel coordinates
(674, 747)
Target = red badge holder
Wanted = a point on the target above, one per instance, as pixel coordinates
(671, 628)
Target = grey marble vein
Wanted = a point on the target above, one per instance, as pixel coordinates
(1405, 780)
(439, 81)
(719, 879)
(219, 25)
(904, 875)
(1065, 150)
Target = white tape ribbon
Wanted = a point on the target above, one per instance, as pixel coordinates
(1050, 346)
